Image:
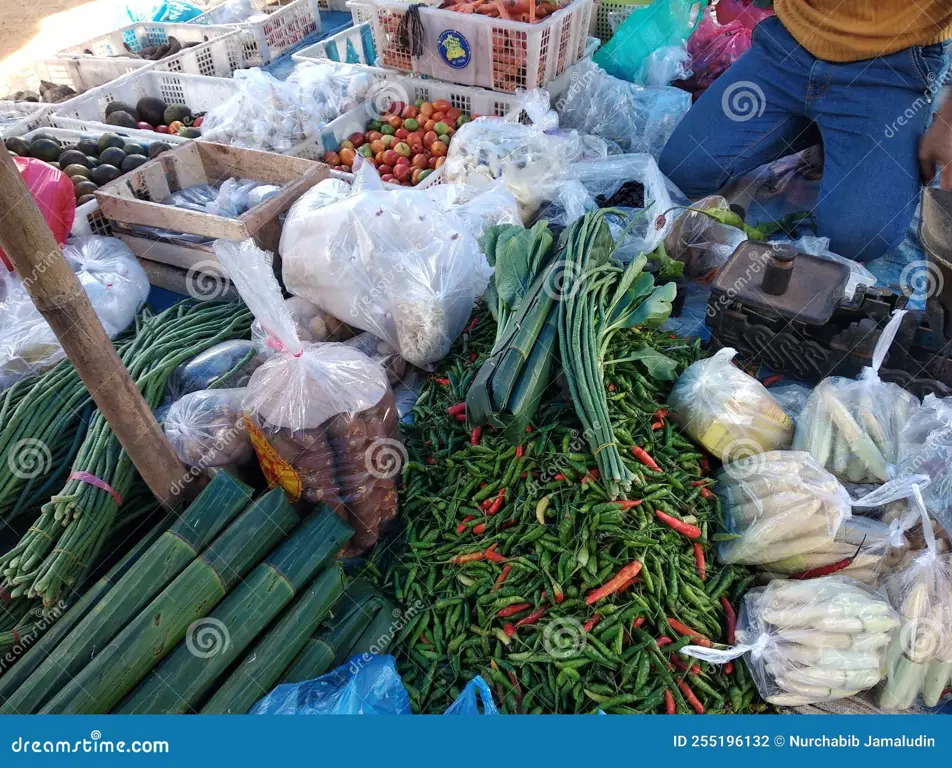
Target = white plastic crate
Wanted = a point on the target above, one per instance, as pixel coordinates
(217, 52)
(79, 75)
(354, 45)
(476, 50)
(333, 5)
(18, 117)
(570, 79)
(198, 92)
(262, 41)
(600, 25)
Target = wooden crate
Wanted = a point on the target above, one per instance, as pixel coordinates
(135, 199)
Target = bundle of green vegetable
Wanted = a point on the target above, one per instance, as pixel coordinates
(74, 524)
(573, 301)
(565, 600)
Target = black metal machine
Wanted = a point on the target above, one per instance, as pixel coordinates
(785, 310)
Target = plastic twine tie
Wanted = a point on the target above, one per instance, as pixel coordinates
(91, 479)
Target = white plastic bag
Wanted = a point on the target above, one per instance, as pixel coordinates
(322, 417)
(404, 264)
(728, 412)
(207, 429)
(117, 288)
(925, 445)
(635, 118)
(701, 242)
(311, 324)
(920, 654)
(852, 426)
(810, 641)
(664, 65)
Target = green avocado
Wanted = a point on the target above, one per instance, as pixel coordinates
(84, 188)
(87, 146)
(189, 133)
(157, 148)
(104, 174)
(45, 149)
(122, 119)
(72, 157)
(118, 106)
(109, 140)
(18, 146)
(87, 198)
(175, 112)
(134, 149)
(77, 170)
(132, 161)
(112, 156)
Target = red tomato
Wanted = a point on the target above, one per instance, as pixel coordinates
(357, 139)
(396, 108)
(144, 126)
(403, 172)
(409, 111)
(379, 156)
(432, 162)
(438, 148)
(426, 109)
(394, 122)
(415, 176)
(386, 177)
(429, 137)
(161, 129)
(452, 115)
(373, 135)
(402, 161)
(373, 163)
(428, 125)
(377, 146)
(390, 157)
(420, 161)
(197, 122)
(403, 149)
(437, 117)
(441, 105)
(401, 133)
(439, 162)
(384, 169)
(332, 158)
(347, 156)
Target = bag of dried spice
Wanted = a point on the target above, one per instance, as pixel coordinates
(322, 417)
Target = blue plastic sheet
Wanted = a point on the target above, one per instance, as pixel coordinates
(364, 686)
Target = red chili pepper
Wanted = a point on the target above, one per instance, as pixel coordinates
(661, 414)
(501, 578)
(529, 429)
(532, 618)
(611, 386)
(460, 417)
(559, 477)
(692, 699)
(442, 381)
(455, 409)
(430, 460)
(510, 610)
(699, 560)
(520, 451)
(683, 629)
(589, 625)
(730, 620)
(772, 379)
(824, 570)
(462, 526)
(662, 641)
(523, 475)
(497, 502)
(493, 556)
(615, 583)
(656, 425)
(470, 557)
(472, 325)
(483, 485)
(480, 529)
(424, 639)
(627, 504)
(475, 435)
(509, 630)
(685, 529)
(507, 524)
(486, 503)
(517, 690)
(696, 483)
(642, 455)
(729, 668)
(705, 465)
(706, 493)
(559, 596)
(472, 357)
(638, 623)
(669, 707)
(694, 669)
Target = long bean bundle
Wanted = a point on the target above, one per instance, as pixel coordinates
(73, 525)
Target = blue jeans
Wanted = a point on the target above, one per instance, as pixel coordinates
(870, 115)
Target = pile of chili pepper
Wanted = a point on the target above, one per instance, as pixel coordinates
(563, 600)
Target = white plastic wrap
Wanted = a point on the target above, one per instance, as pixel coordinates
(810, 641)
(635, 118)
(920, 654)
(404, 264)
(925, 445)
(117, 288)
(701, 242)
(728, 412)
(207, 429)
(322, 417)
(664, 65)
(275, 115)
(852, 426)
(311, 324)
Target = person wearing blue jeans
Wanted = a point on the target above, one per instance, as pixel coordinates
(873, 113)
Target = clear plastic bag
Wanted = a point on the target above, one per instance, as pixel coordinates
(404, 265)
(380, 352)
(311, 324)
(228, 364)
(852, 426)
(820, 246)
(810, 641)
(920, 654)
(112, 278)
(207, 429)
(635, 118)
(792, 398)
(371, 688)
(701, 242)
(665, 65)
(275, 115)
(925, 445)
(322, 417)
(728, 412)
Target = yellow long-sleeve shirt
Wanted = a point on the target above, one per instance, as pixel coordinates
(851, 30)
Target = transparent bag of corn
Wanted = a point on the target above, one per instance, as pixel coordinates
(925, 445)
(852, 426)
(728, 412)
(810, 641)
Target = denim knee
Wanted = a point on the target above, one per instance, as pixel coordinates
(864, 240)
(691, 168)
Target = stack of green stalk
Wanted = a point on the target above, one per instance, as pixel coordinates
(39, 651)
(162, 624)
(379, 633)
(269, 657)
(205, 518)
(179, 683)
(332, 647)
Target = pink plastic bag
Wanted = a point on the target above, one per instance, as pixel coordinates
(53, 192)
(742, 11)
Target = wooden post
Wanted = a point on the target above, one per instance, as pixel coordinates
(58, 295)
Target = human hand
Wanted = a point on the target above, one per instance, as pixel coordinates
(935, 149)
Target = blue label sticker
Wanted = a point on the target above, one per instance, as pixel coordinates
(454, 48)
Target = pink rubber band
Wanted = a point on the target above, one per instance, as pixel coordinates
(87, 477)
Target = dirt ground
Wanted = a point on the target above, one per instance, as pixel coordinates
(31, 30)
